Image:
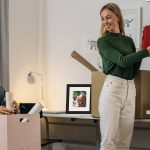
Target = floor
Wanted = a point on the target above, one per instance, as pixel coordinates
(64, 146)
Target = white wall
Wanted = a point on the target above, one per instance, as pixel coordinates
(23, 46)
(69, 23)
(42, 36)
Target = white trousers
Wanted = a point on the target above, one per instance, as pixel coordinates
(117, 109)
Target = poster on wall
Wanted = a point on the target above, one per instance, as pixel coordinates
(132, 20)
(91, 51)
(91, 43)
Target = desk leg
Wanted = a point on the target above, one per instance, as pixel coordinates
(49, 147)
(46, 126)
(97, 135)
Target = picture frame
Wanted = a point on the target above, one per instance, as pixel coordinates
(78, 99)
(132, 20)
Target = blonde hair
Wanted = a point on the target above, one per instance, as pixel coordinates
(117, 11)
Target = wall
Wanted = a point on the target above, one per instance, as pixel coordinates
(23, 46)
(69, 24)
(42, 36)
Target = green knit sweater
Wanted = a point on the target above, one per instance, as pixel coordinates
(119, 55)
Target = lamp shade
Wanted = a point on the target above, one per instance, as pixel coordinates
(30, 78)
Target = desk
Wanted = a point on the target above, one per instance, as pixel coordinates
(141, 125)
(81, 116)
(74, 117)
(64, 115)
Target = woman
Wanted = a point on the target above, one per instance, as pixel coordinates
(120, 64)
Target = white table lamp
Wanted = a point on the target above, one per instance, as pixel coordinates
(31, 79)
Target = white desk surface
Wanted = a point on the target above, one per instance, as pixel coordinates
(64, 115)
(79, 116)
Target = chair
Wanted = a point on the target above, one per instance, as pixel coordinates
(47, 141)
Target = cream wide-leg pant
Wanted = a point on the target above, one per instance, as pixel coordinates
(117, 109)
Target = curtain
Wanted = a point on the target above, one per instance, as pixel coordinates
(4, 44)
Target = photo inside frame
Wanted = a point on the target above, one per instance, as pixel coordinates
(79, 99)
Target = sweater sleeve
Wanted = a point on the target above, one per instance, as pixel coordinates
(2, 96)
(121, 60)
(137, 64)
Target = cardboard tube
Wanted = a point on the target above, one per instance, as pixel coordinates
(8, 97)
(36, 109)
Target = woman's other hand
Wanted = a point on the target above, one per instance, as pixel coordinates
(148, 49)
(5, 111)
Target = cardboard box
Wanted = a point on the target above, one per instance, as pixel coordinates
(142, 82)
(97, 84)
(97, 80)
(17, 135)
